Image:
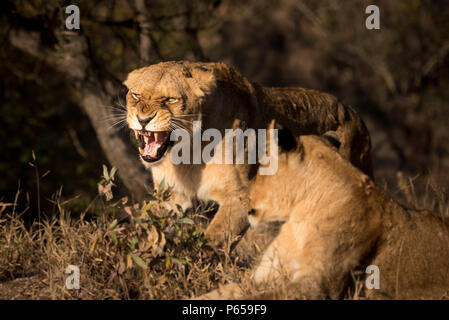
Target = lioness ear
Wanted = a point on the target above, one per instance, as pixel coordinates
(133, 77)
(200, 78)
(333, 138)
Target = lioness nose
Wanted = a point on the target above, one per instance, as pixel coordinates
(143, 122)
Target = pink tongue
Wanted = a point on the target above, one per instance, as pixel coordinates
(151, 147)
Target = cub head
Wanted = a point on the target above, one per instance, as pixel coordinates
(164, 97)
(310, 165)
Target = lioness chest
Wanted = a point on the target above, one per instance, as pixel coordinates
(205, 182)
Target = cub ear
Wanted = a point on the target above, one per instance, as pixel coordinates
(333, 138)
(133, 78)
(286, 139)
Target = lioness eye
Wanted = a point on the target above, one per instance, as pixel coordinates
(135, 96)
(172, 100)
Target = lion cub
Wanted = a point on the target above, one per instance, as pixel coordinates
(337, 219)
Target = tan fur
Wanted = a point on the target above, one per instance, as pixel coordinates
(337, 219)
(222, 98)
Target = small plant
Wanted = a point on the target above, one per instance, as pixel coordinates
(148, 232)
(107, 182)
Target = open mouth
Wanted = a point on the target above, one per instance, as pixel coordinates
(152, 144)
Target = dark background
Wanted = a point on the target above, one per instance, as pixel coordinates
(59, 87)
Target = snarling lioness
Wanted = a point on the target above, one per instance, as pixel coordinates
(171, 95)
(336, 220)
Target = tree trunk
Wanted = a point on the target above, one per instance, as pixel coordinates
(95, 95)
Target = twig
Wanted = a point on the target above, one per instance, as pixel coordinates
(76, 143)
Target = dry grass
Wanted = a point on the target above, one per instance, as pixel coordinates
(136, 251)
(131, 251)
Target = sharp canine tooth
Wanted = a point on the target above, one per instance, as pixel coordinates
(156, 135)
(136, 134)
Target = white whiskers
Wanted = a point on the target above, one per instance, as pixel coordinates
(116, 119)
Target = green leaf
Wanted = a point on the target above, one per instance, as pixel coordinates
(161, 186)
(186, 221)
(150, 197)
(133, 242)
(168, 262)
(94, 242)
(105, 172)
(178, 260)
(139, 261)
(113, 224)
(200, 240)
(113, 236)
(113, 171)
(147, 207)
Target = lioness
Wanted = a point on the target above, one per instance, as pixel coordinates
(171, 95)
(336, 220)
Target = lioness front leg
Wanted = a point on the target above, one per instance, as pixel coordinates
(229, 222)
(231, 218)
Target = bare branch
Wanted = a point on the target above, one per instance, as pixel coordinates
(144, 24)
